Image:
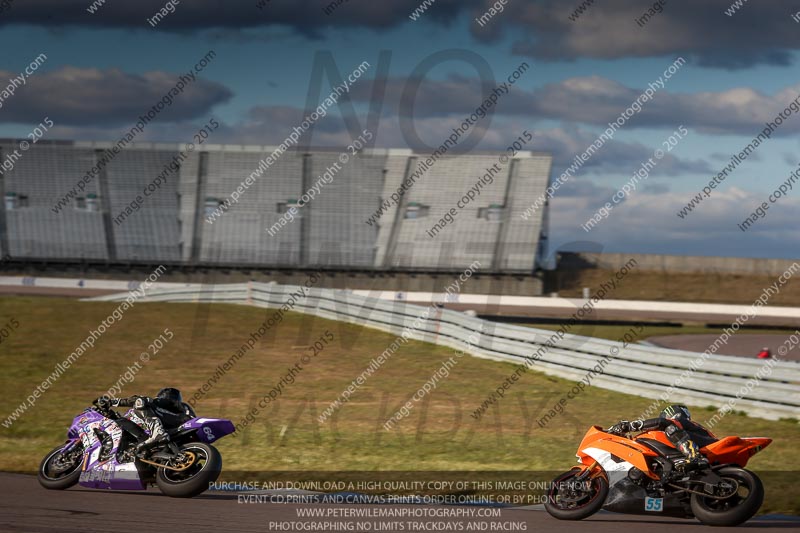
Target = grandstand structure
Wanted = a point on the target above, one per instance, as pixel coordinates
(171, 224)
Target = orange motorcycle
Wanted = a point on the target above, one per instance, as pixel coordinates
(644, 474)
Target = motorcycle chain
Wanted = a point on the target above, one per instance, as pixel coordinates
(705, 494)
(174, 468)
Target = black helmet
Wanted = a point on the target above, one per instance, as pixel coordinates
(676, 412)
(171, 395)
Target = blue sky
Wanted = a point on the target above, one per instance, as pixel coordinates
(740, 70)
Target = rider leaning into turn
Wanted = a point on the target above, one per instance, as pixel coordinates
(676, 422)
(166, 409)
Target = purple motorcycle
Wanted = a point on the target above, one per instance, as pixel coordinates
(99, 454)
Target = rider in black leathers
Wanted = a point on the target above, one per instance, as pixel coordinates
(676, 422)
(166, 410)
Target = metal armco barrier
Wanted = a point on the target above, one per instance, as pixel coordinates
(636, 369)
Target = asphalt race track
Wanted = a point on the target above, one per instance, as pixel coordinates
(28, 507)
(745, 346)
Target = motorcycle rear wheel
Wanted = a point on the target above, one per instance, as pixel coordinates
(196, 479)
(64, 477)
(737, 509)
(566, 502)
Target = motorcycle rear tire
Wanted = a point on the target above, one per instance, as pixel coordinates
(734, 516)
(198, 483)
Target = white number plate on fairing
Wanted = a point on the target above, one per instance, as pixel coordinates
(654, 505)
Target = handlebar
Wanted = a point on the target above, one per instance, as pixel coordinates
(108, 412)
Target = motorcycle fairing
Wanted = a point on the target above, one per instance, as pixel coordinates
(209, 429)
(107, 473)
(625, 496)
(615, 468)
(734, 450)
(626, 450)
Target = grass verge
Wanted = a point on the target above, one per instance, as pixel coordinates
(439, 434)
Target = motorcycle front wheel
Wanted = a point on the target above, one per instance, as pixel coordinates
(204, 469)
(59, 471)
(572, 499)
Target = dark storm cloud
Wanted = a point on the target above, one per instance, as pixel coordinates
(304, 16)
(92, 97)
(759, 33)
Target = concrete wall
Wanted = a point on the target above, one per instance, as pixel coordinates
(675, 263)
(479, 283)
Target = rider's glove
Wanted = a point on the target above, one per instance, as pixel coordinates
(636, 425)
(623, 426)
(139, 403)
(102, 402)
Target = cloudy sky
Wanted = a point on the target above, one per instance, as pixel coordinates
(105, 68)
